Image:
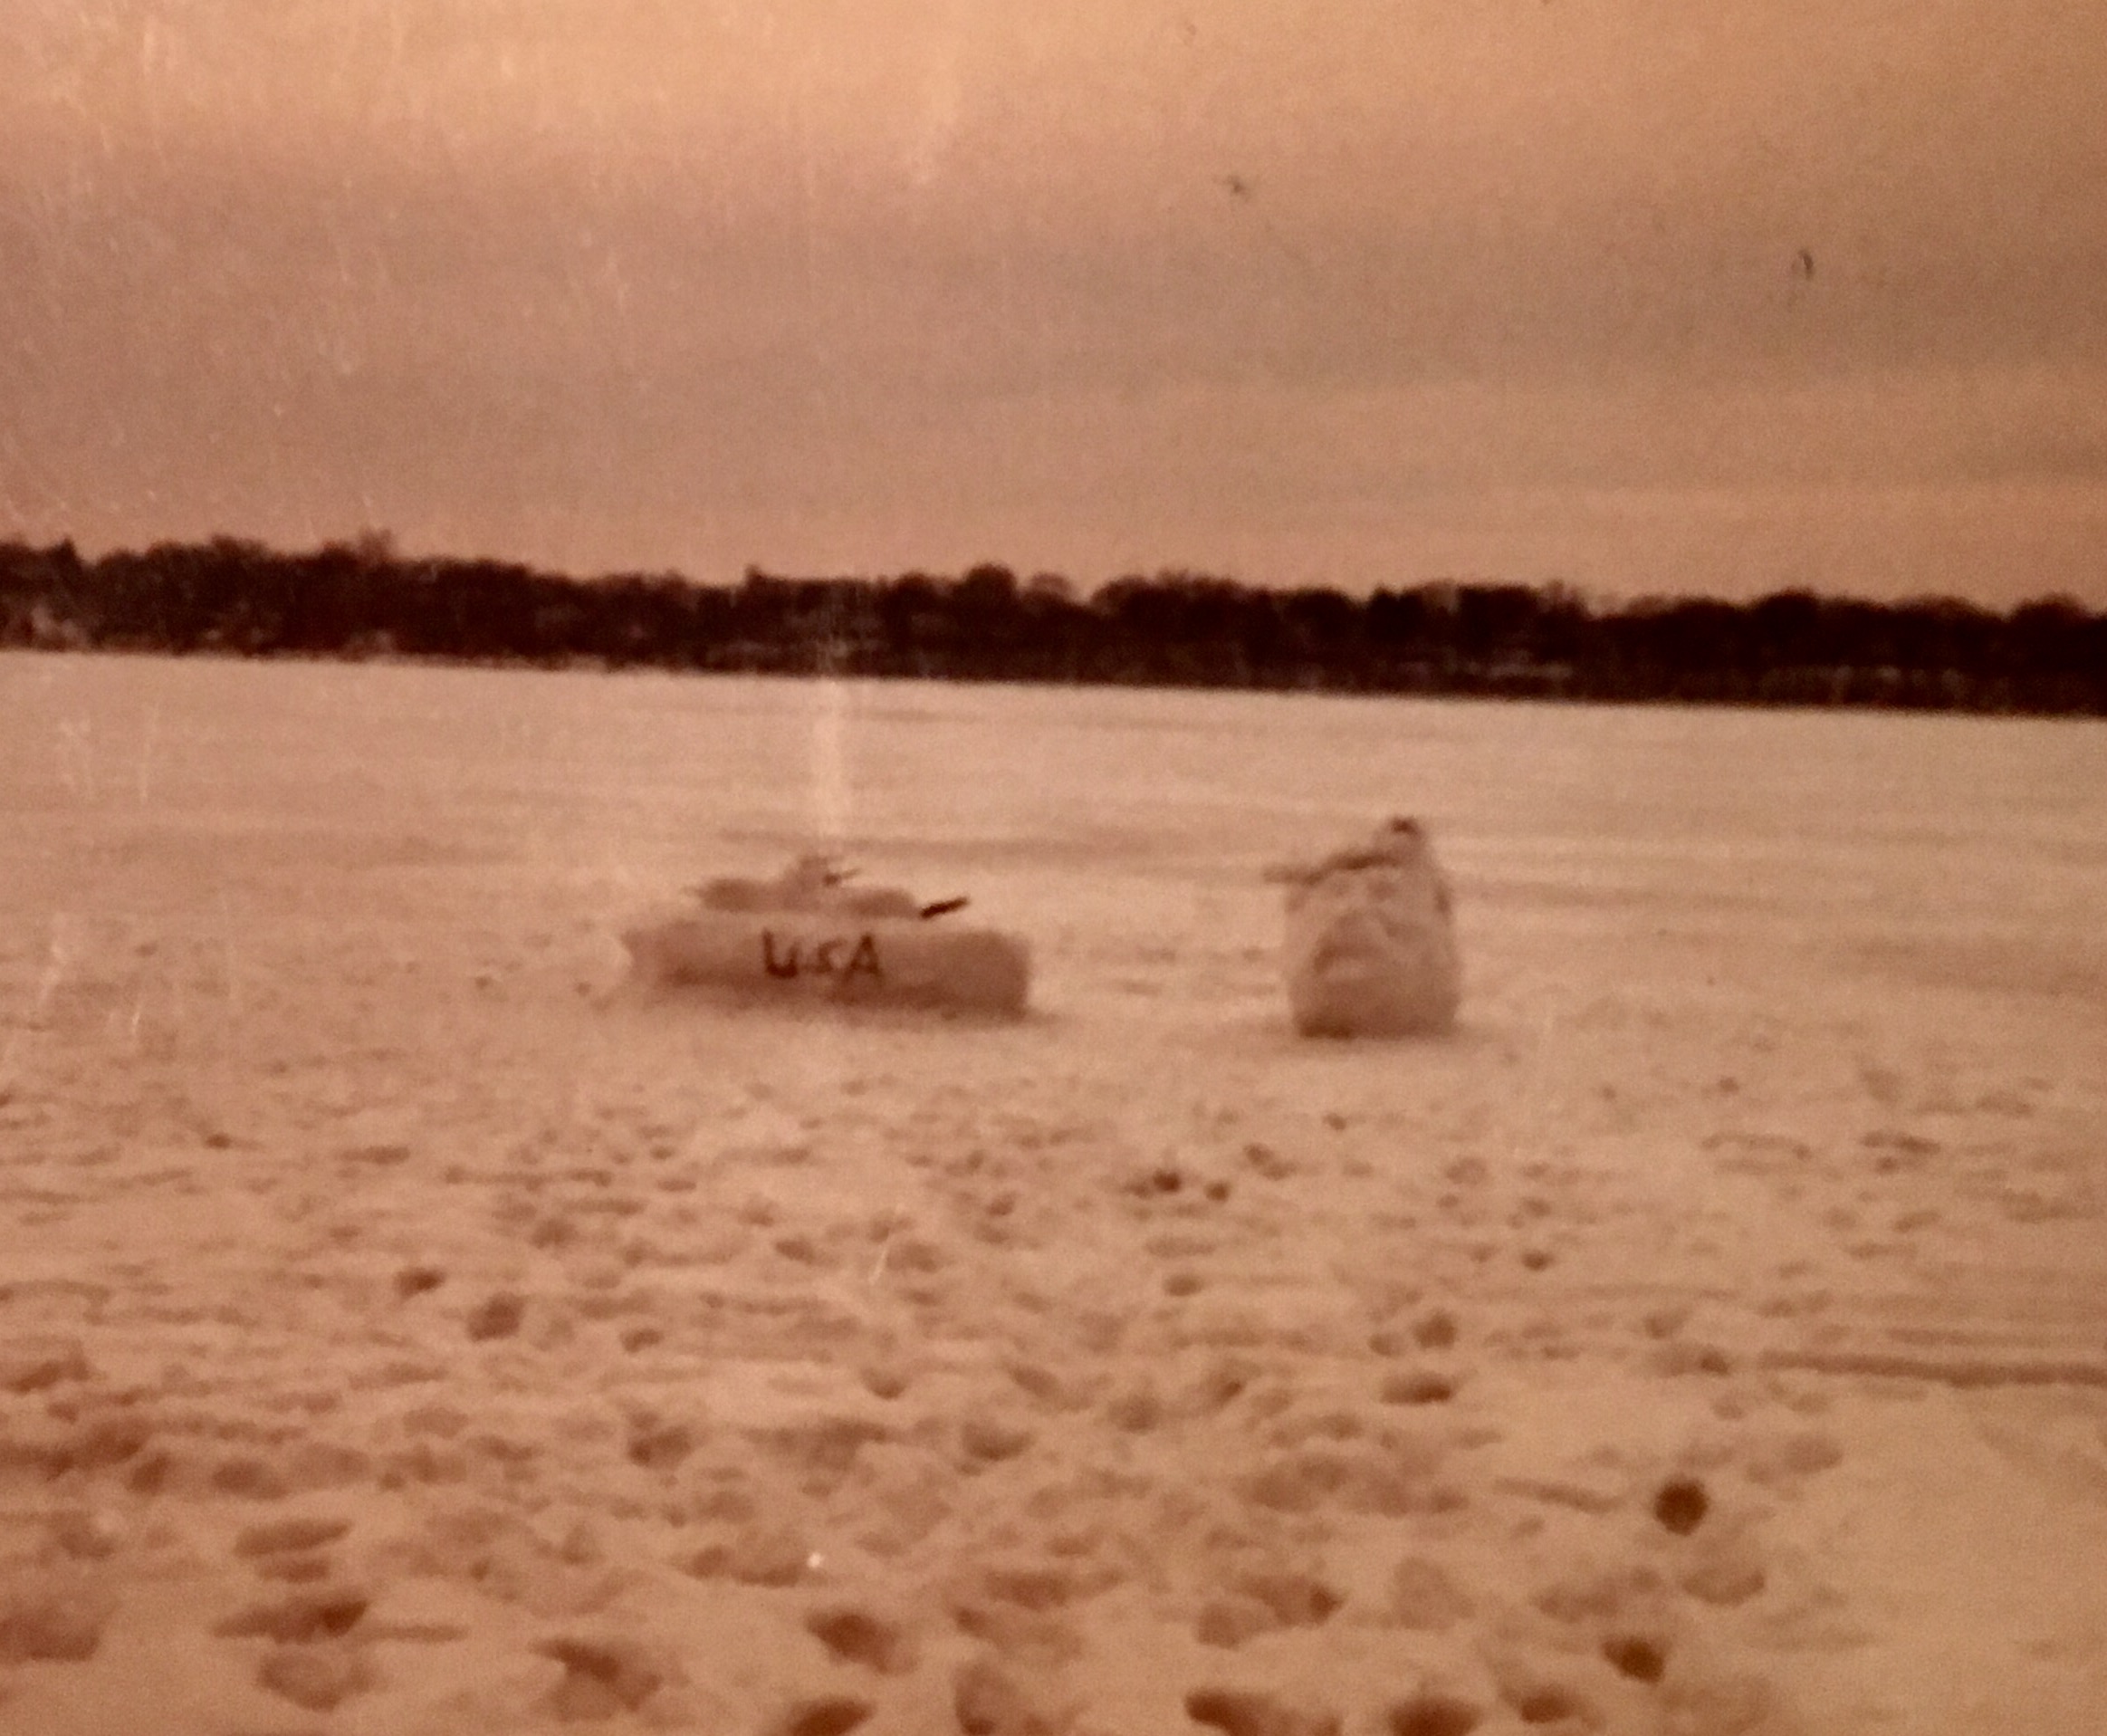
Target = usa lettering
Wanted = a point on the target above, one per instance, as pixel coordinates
(791, 960)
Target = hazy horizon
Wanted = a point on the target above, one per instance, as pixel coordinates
(1565, 291)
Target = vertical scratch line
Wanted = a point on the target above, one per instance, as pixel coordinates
(56, 958)
(226, 944)
(146, 772)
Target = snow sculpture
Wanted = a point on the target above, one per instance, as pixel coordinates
(1371, 939)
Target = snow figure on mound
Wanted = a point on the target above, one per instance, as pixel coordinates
(1371, 948)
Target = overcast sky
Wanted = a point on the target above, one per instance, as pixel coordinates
(1641, 294)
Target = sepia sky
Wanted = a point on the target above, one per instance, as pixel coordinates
(1639, 295)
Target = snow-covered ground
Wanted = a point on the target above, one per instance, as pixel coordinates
(405, 1327)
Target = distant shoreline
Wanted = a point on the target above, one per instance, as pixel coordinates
(1176, 630)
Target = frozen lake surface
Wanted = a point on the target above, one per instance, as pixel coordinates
(1915, 848)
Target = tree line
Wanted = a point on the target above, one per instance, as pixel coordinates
(1174, 628)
